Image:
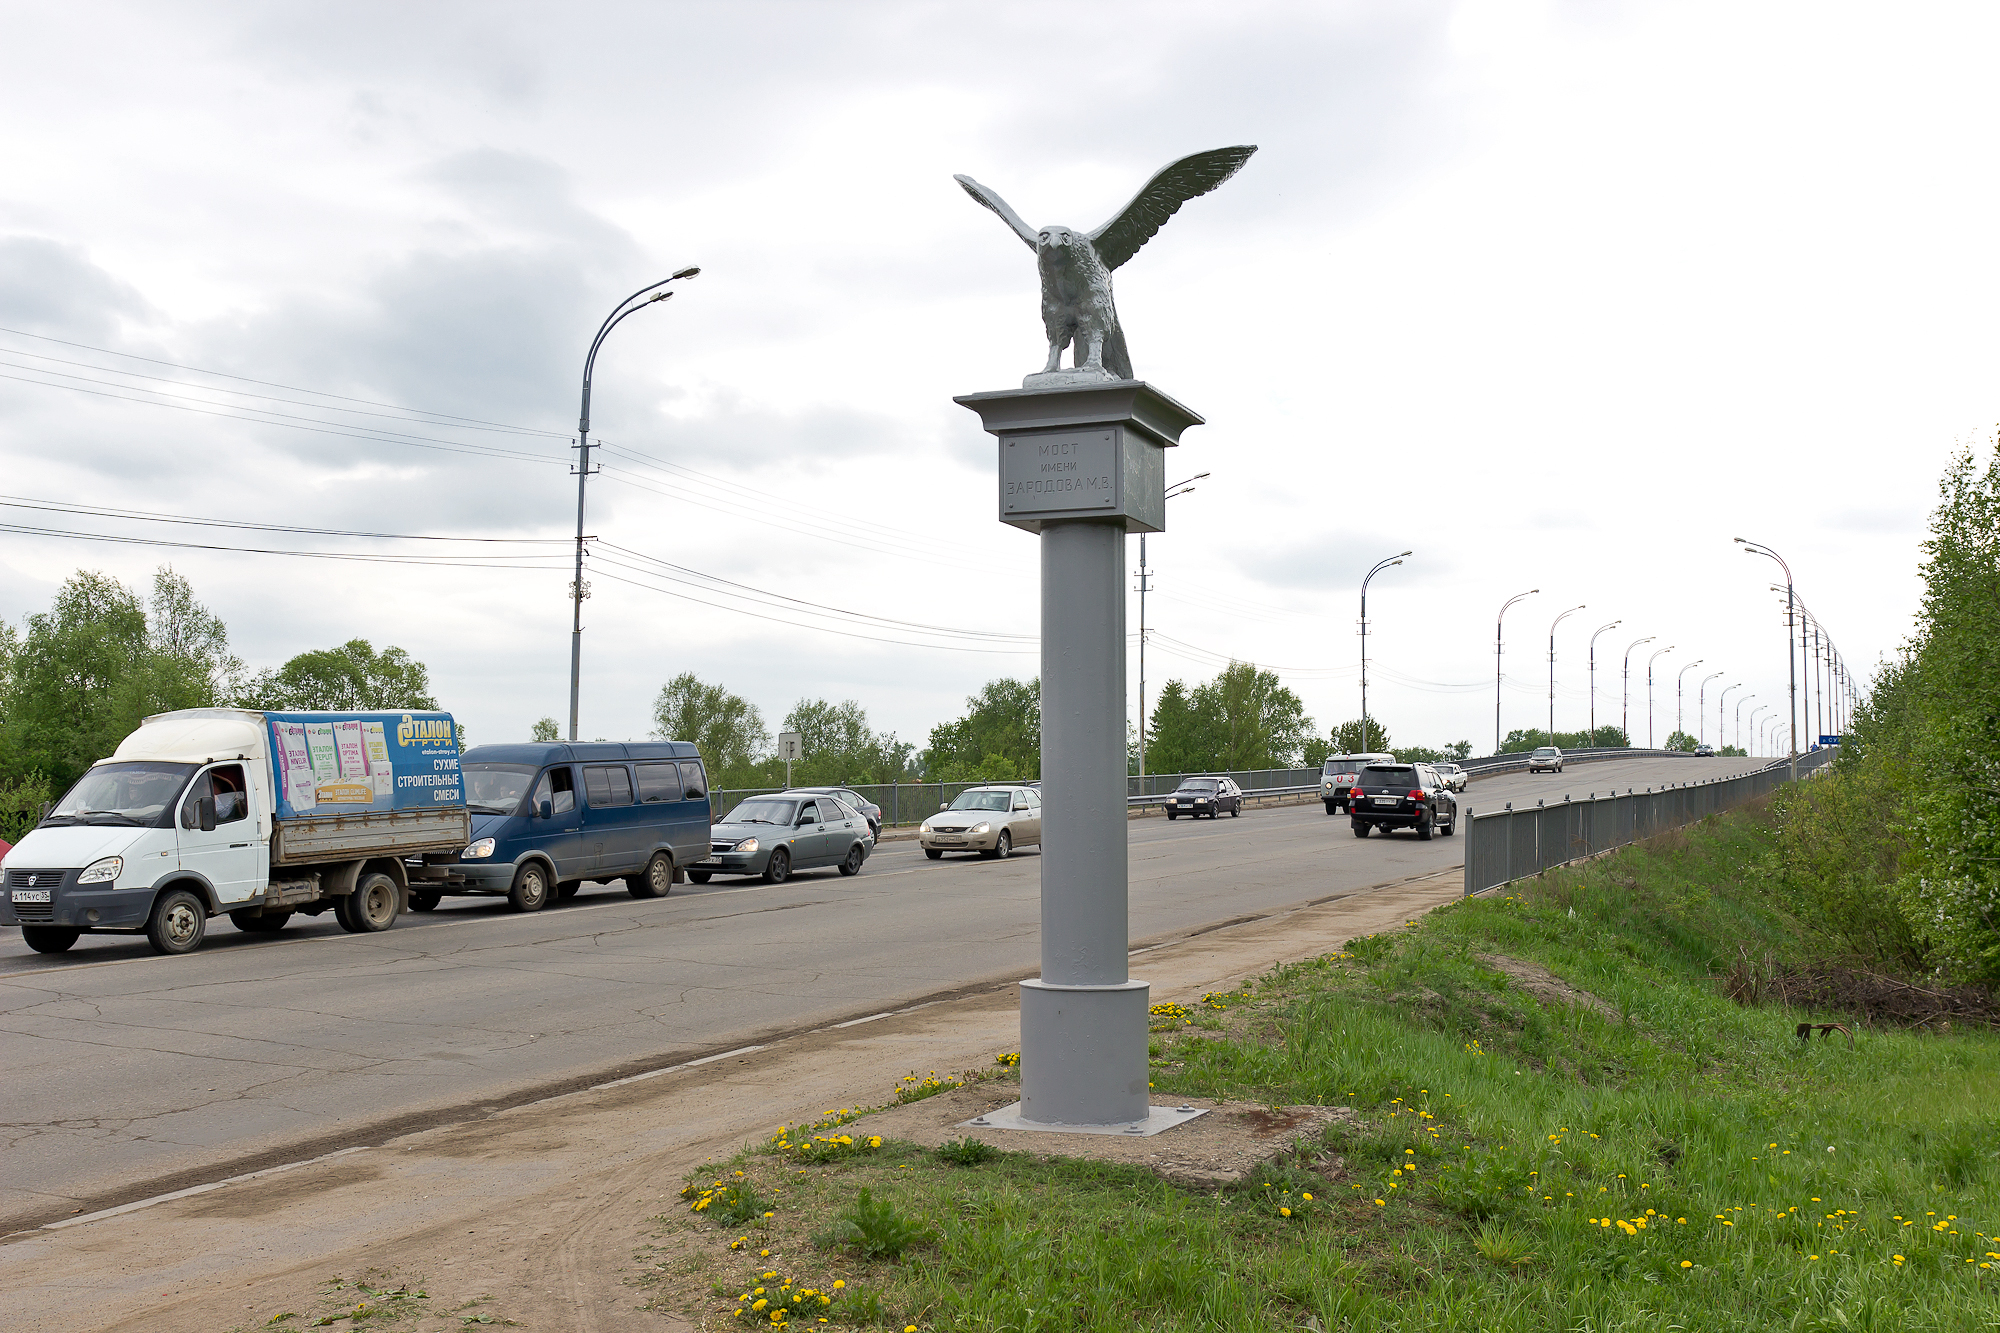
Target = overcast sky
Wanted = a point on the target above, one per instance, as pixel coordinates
(1560, 296)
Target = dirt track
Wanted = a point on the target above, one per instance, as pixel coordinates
(542, 1208)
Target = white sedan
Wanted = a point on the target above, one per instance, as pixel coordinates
(992, 821)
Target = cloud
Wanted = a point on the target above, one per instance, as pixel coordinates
(53, 289)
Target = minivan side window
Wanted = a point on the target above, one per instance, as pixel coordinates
(693, 779)
(659, 782)
(558, 788)
(607, 785)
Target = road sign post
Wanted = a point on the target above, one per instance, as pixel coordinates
(789, 750)
(1082, 466)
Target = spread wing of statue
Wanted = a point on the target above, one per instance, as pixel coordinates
(1076, 266)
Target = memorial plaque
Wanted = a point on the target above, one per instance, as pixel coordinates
(1069, 474)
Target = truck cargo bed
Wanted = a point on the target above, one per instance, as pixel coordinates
(397, 833)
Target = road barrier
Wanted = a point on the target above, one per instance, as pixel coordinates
(1509, 844)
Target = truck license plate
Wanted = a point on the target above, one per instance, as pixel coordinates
(31, 895)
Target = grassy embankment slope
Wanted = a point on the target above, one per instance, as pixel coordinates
(1640, 1152)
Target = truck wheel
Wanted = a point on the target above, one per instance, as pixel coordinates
(656, 881)
(49, 939)
(1331, 808)
(531, 889)
(425, 902)
(259, 923)
(178, 923)
(779, 868)
(567, 891)
(1360, 828)
(371, 907)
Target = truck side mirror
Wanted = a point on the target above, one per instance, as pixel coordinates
(204, 813)
(545, 811)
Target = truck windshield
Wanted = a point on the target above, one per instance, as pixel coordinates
(497, 789)
(139, 794)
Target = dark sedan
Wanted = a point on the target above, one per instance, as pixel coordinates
(1205, 796)
(853, 800)
(1392, 796)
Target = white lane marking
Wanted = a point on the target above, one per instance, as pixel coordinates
(650, 1073)
(192, 1190)
(857, 1022)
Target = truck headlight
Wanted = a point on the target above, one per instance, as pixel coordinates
(747, 845)
(102, 871)
(478, 851)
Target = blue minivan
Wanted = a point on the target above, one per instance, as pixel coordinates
(548, 818)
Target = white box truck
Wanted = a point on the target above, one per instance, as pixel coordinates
(259, 815)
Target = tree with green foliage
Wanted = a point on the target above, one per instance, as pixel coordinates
(998, 739)
(545, 729)
(85, 672)
(350, 678)
(1606, 737)
(1243, 719)
(1354, 738)
(727, 728)
(1680, 740)
(838, 748)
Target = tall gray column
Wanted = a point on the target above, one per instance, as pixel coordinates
(1082, 466)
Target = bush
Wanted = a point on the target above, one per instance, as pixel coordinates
(873, 1229)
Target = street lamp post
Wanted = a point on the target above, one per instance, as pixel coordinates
(1701, 706)
(1678, 683)
(1721, 701)
(1649, 693)
(1791, 668)
(1625, 698)
(630, 305)
(1380, 565)
(1145, 586)
(1592, 738)
(1756, 727)
(1739, 719)
(1496, 661)
(1552, 667)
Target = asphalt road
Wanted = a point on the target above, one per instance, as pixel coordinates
(129, 1073)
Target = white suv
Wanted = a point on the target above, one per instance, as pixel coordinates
(1546, 759)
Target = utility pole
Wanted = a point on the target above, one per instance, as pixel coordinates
(1145, 586)
(1368, 744)
(1625, 702)
(578, 589)
(1496, 661)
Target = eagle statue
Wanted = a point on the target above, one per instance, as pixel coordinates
(1076, 266)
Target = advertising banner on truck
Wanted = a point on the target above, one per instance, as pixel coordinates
(348, 763)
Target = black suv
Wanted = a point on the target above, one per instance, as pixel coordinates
(1390, 796)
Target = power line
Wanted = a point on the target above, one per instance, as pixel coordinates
(433, 561)
(269, 384)
(151, 516)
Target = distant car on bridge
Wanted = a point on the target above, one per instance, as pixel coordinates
(1453, 777)
(1548, 759)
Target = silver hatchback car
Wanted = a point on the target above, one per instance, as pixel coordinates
(992, 821)
(1548, 759)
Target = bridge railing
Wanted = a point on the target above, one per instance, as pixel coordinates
(1509, 844)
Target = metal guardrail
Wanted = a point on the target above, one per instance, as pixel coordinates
(1509, 844)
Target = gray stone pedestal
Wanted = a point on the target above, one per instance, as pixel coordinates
(1083, 466)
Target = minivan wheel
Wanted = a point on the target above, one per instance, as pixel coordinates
(852, 865)
(50, 939)
(178, 923)
(779, 868)
(656, 881)
(371, 907)
(530, 892)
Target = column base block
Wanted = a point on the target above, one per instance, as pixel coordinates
(1083, 1055)
(1157, 1118)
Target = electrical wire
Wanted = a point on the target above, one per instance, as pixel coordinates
(364, 557)
(152, 516)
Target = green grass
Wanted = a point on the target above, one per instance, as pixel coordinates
(1499, 1135)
